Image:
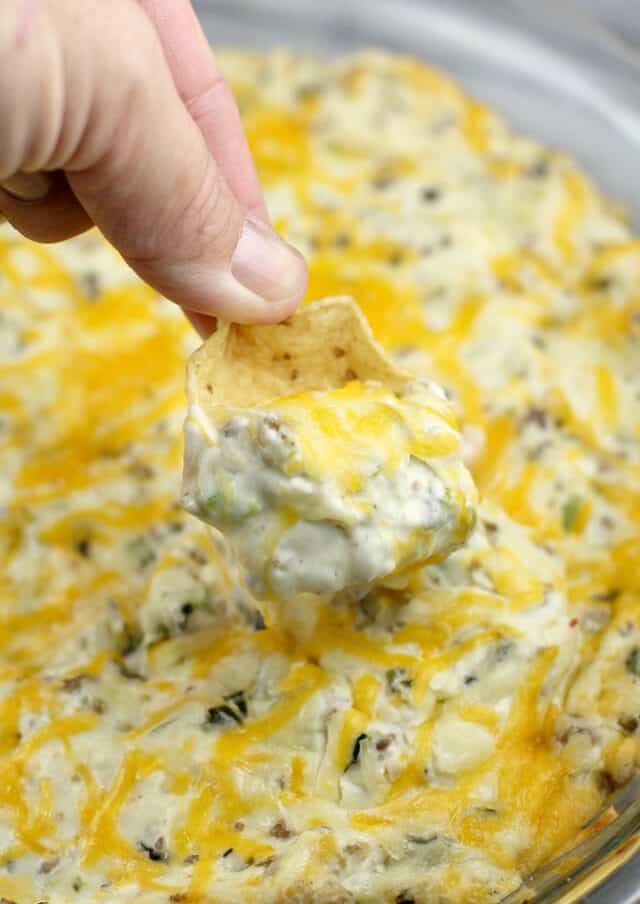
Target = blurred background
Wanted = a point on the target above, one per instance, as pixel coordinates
(622, 16)
(564, 71)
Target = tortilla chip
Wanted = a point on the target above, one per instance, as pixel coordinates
(321, 347)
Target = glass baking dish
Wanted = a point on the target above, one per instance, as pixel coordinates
(558, 75)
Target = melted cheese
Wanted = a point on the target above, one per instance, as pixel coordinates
(331, 426)
(152, 742)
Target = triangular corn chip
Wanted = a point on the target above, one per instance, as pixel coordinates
(325, 467)
(322, 346)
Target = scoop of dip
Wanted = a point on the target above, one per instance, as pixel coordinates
(339, 486)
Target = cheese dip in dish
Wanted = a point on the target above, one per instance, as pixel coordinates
(164, 742)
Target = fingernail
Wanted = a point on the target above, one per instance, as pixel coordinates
(28, 186)
(265, 264)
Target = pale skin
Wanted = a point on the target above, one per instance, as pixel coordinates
(115, 114)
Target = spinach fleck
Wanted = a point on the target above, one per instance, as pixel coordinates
(570, 512)
(83, 547)
(355, 754)
(156, 852)
(232, 711)
(632, 662)
(398, 682)
(430, 193)
(238, 699)
(131, 639)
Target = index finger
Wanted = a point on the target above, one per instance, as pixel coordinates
(207, 96)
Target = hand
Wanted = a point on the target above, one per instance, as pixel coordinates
(115, 114)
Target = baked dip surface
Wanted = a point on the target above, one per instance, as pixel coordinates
(161, 739)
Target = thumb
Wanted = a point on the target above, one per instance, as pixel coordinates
(138, 164)
(160, 196)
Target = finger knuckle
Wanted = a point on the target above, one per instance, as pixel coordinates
(203, 222)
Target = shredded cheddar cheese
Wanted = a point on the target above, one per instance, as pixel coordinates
(161, 739)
